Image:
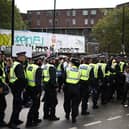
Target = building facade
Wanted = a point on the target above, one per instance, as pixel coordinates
(66, 21)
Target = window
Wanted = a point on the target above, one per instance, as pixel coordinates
(29, 12)
(50, 13)
(68, 22)
(92, 21)
(56, 21)
(50, 21)
(86, 21)
(105, 12)
(73, 21)
(38, 13)
(38, 22)
(68, 13)
(93, 12)
(73, 13)
(85, 12)
(57, 13)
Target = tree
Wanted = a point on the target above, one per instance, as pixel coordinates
(108, 31)
(5, 16)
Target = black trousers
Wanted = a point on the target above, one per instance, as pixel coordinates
(60, 82)
(95, 89)
(50, 102)
(2, 107)
(126, 89)
(17, 105)
(84, 95)
(35, 95)
(71, 99)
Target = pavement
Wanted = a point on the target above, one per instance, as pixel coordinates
(110, 116)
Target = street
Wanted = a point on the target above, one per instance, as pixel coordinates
(110, 116)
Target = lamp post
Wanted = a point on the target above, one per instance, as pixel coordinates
(53, 39)
(123, 31)
(54, 16)
(12, 22)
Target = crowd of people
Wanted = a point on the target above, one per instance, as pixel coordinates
(98, 78)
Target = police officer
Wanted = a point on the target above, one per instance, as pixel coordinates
(59, 73)
(95, 86)
(17, 84)
(34, 78)
(2, 95)
(85, 78)
(72, 90)
(50, 96)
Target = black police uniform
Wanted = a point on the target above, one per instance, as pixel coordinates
(17, 89)
(71, 96)
(2, 102)
(34, 93)
(96, 89)
(50, 96)
(85, 92)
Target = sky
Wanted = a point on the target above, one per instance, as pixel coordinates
(25, 5)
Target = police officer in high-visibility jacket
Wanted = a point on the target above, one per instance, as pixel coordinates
(49, 85)
(34, 78)
(95, 86)
(86, 75)
(17, 83)
(72, 90)
(59, 73)
(2, 95)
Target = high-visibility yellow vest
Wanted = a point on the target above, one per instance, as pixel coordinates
(103, 67)
(46, 75)
(84, 71)
(12, 74)
(30, 74)
(3, 75)
(95, 69)
(113, 66)
(72, 75)
(58, 71)
(121, 66)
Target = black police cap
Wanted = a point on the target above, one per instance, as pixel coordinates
(21, 53)
(75, 61)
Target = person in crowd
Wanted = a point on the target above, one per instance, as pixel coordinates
(86, 75)
(72, 90)
(50, 86)
(3, 104)
(17, 83)
(33, 89)
(126, 87)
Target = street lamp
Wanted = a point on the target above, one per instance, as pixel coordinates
(53, 29)
(54, 16)
(123, 31)
(12, 22)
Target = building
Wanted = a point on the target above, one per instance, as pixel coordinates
(66, 21)
(123, 4)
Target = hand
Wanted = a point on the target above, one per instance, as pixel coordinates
(1, 90)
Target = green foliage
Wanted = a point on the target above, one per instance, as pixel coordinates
(108, 31)
(5, 16)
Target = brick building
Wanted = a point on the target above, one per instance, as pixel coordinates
(67, 21)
